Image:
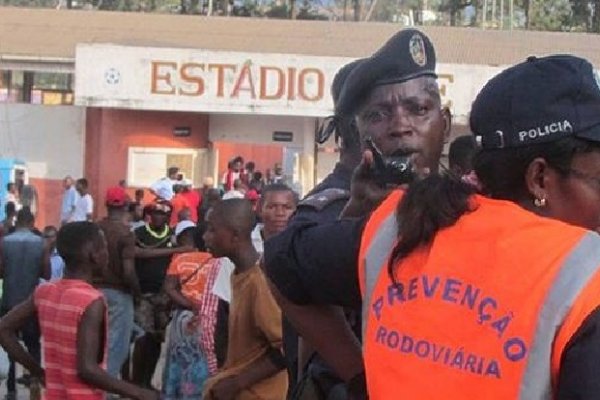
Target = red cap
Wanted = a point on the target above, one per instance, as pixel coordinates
(252, 195)
(116, 197)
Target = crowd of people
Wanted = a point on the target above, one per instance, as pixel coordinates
(244, 181)
(395, 277)
(148, 278)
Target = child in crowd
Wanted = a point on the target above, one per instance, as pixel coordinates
(186, 365)
(255, 366)
(72, 317)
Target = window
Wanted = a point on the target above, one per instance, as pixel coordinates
(49, 88)
(11, 85)
(52, 88)
(146, 165)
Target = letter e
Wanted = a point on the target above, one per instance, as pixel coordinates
(161, 72)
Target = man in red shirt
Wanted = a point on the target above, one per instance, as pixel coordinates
(179, 203)
(193, 198)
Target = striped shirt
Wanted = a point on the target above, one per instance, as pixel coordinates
(60, 306)
(208, 318)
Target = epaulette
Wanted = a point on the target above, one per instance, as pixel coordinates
(322, 199)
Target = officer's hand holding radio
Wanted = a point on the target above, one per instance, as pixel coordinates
(375, 177)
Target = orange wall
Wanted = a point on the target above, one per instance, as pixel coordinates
(50, 193)
(110, 133)
(263, 155)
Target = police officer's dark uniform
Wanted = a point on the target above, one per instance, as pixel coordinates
(324, 203)
(327, 200)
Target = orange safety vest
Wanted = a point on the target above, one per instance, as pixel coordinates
(483, 312)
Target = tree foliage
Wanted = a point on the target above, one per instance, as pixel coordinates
(29, 3)
(555, 15)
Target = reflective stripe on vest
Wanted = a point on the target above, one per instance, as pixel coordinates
(576, 271)
(375, 260)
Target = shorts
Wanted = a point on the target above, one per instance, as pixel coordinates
(153, 313)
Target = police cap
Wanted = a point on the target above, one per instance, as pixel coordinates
(538, 101)
(407, 55)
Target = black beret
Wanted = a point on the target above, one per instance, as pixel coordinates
(407, 55)
(340, 78)
(330, 124)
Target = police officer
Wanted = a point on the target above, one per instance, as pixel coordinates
(468, 296)
(324, 204)
(397, 84)
(327, 200)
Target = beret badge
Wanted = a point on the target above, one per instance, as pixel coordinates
(416, 47)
